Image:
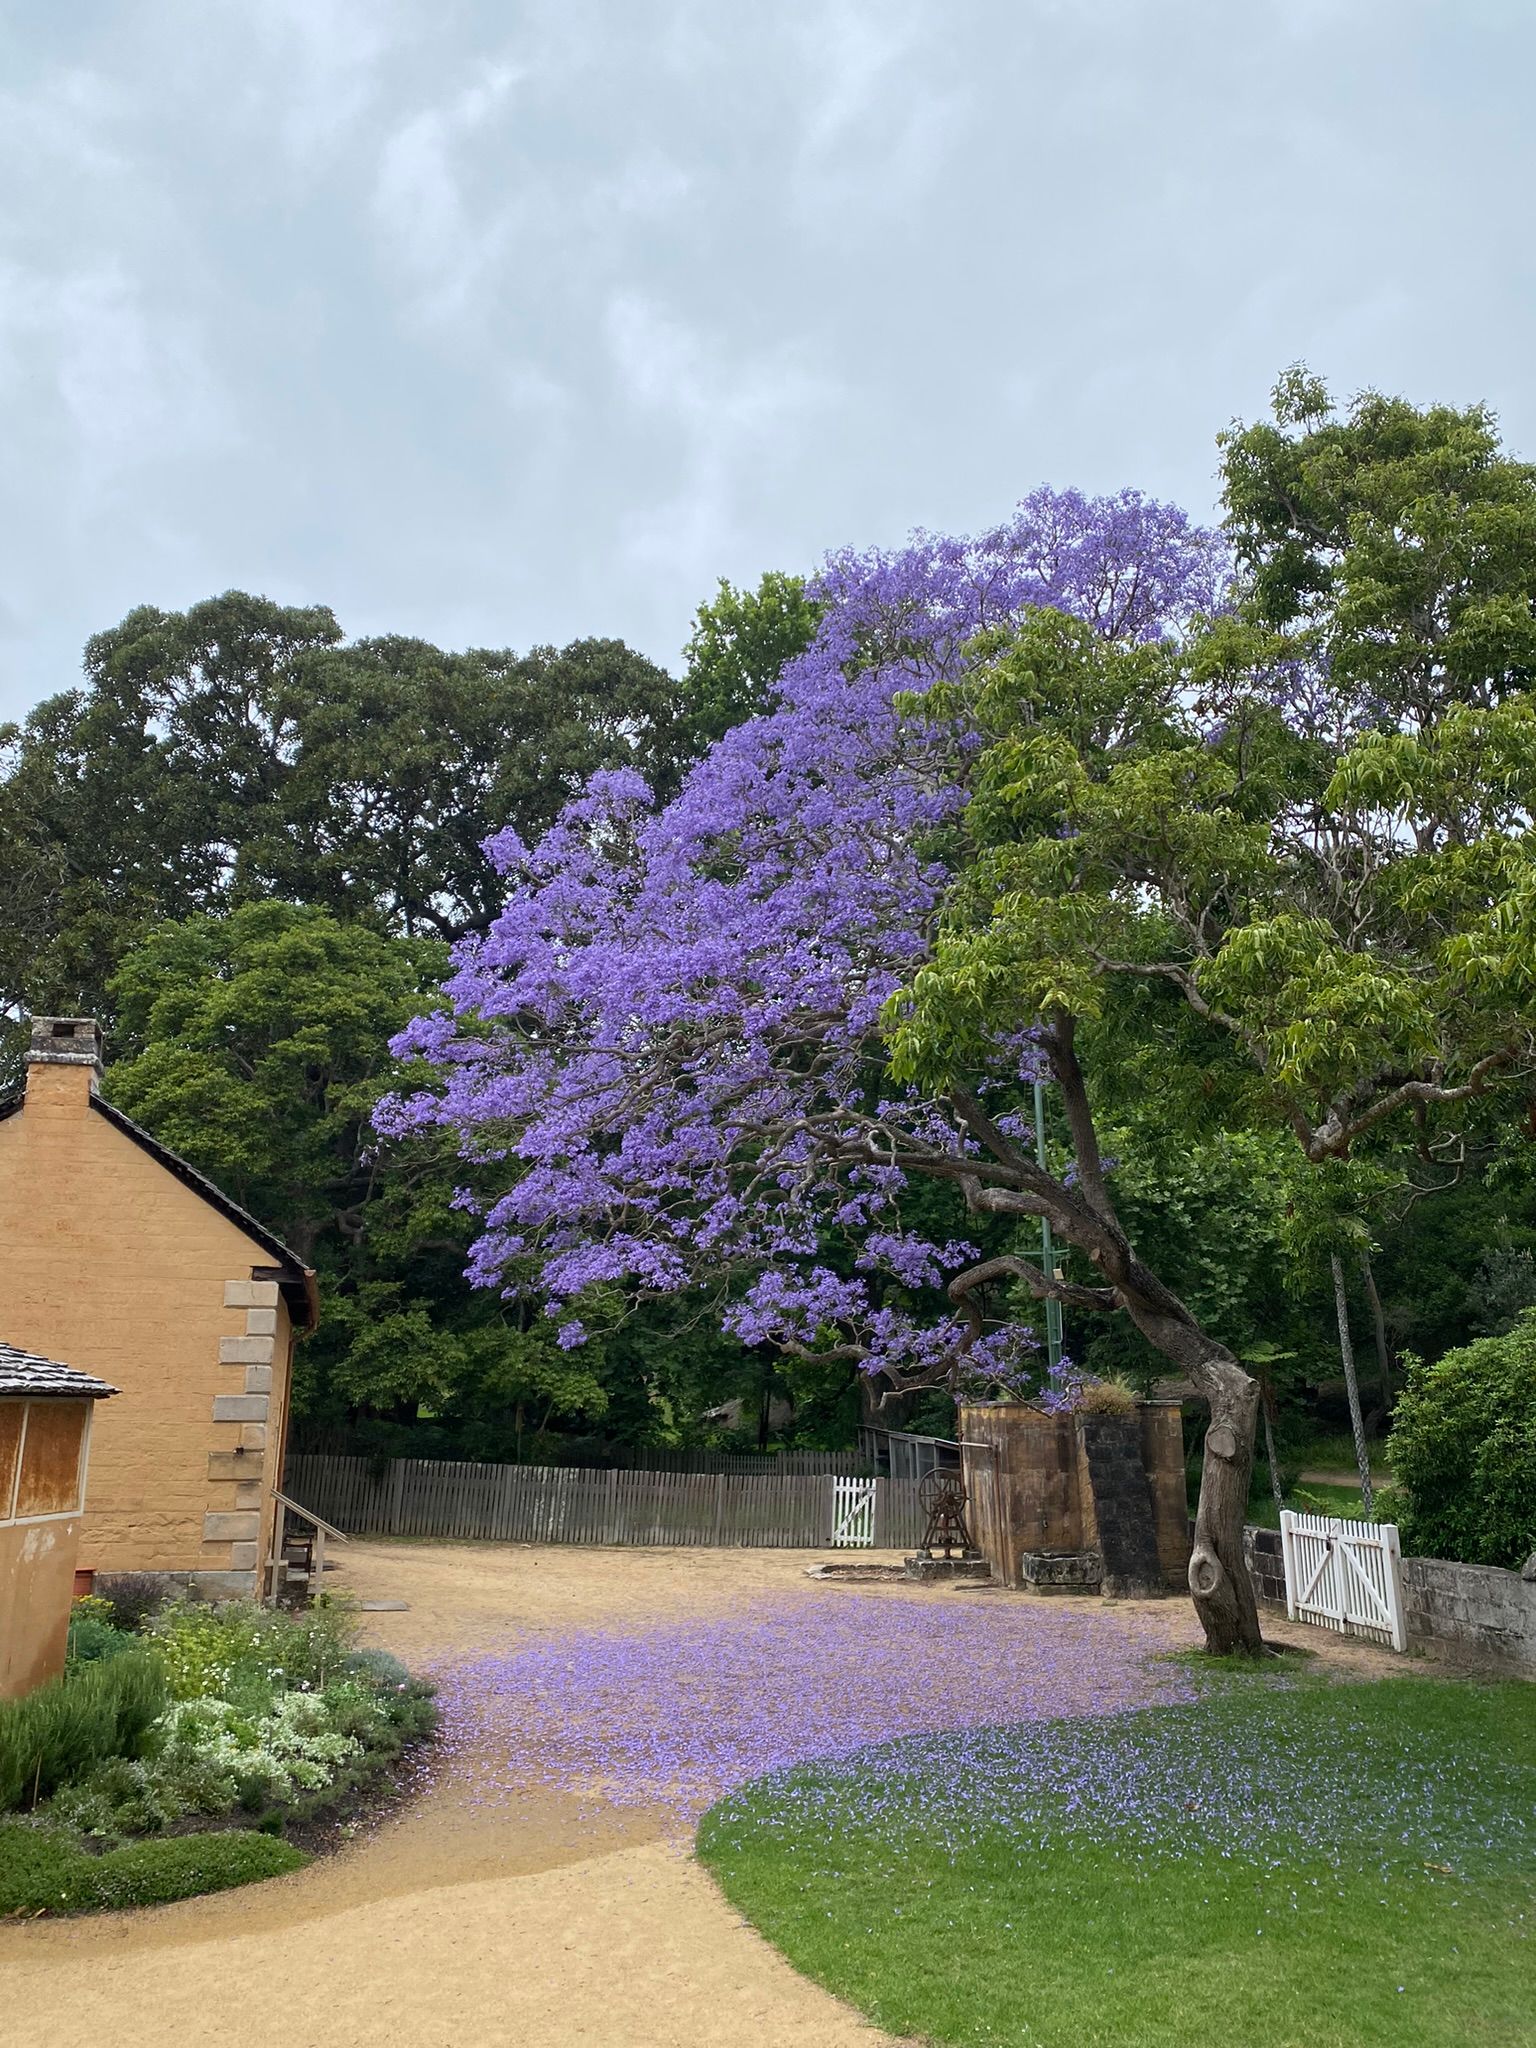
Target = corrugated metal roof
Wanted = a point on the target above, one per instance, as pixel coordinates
(23, 1372)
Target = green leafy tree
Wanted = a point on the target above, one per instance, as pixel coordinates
(242, 749)
(1395, 545)
(1307, 829)
(257, 1044)
(740, 644)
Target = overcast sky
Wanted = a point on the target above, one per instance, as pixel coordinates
(500, 322)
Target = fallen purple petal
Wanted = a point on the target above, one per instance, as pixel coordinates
(679, 1713)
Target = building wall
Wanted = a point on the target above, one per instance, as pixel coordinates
(112, 1265)
(40, 1488)
(37, 1581)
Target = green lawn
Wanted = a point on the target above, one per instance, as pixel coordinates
(1319, 1498)
(43, 1871)
(1336, 1453)
(1287, 1863)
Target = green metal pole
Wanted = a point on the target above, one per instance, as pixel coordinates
(1047, 1247)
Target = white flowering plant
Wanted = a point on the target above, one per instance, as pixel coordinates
(272, 1717)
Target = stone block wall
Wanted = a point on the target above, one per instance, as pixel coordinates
(1118, 1499)
(1266, 1565)
(1465, 1610)
(1472, 1608)
(1034, 1487)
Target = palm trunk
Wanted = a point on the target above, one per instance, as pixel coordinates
(1266, 1409)
(1379, 1324)
(1352, 1386)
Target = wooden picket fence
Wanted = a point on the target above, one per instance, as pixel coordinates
(570, 1504)
(1347, 1576)
(773, 1464)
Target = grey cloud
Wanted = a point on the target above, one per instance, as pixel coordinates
(507, 322)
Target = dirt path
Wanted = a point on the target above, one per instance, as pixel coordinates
(467, 1920)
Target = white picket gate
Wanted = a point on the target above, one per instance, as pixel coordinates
(1347, 1576)
(853, 1514)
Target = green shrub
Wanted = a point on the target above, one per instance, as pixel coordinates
(218, 1711)
(209, 1650)
(201, 1645)
(262, 1746)
(41, 1870)
(59, 1731)
(1463, 1451)
(378, 1666)
(124, 1796)
(91, 1639)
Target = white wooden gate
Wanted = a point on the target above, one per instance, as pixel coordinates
(1347, 1576)
(853, 1514)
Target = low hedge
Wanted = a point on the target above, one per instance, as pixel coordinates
(43, 1871)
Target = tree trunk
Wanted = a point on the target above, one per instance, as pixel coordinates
(1083, 1215)
(1219, 1583)
(1352, 1386)
(1379, 1323)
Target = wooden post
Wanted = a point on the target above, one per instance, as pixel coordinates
(275, 1564)
(396, 1494)
(317, 1561)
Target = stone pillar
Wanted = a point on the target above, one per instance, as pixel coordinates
(1162, 1452)
(1037, 1485)
(1124, 1531)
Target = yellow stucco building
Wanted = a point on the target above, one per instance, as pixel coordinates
(45, 1437)
(118, 1256)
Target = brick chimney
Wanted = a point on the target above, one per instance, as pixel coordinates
(63, 1060)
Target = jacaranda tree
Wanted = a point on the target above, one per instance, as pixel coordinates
(1052, 801)
(672, 1034)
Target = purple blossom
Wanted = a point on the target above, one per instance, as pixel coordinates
(667, 1045)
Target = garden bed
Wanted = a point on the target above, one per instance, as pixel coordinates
(195, 1749)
